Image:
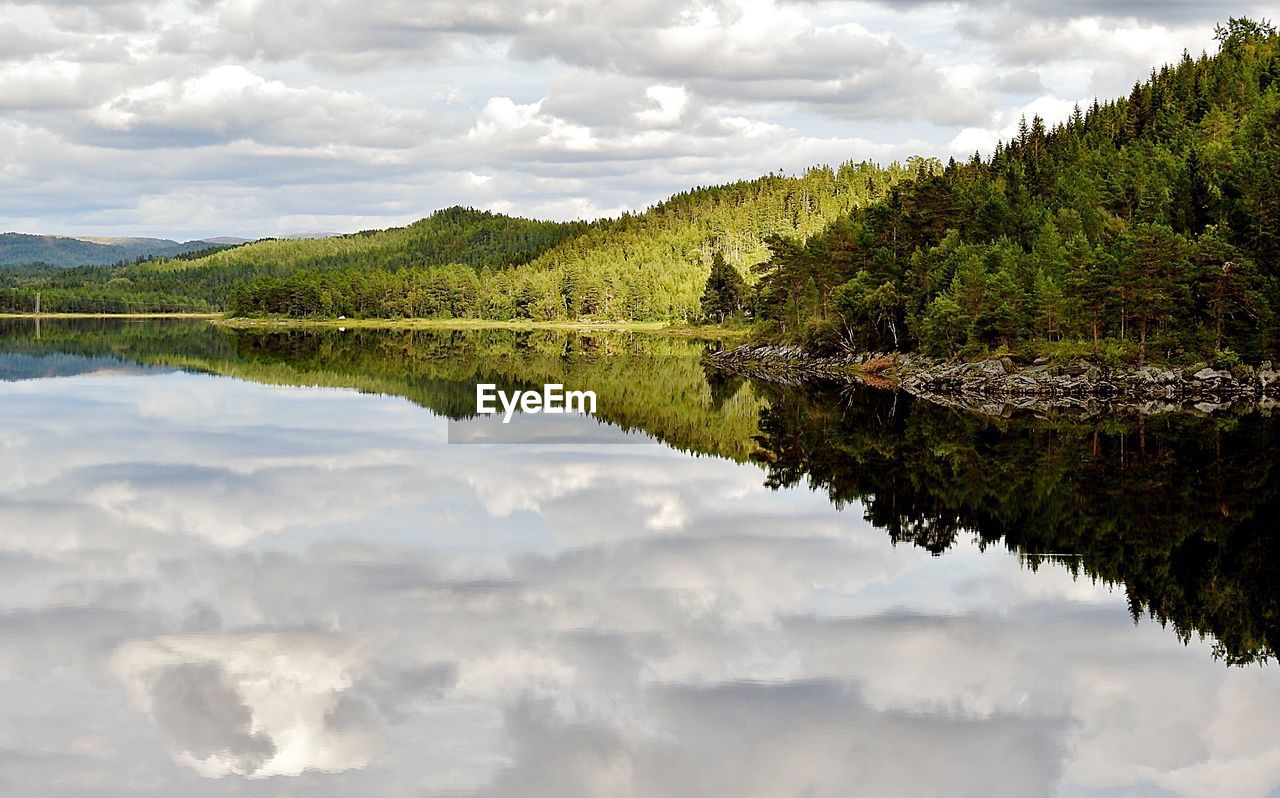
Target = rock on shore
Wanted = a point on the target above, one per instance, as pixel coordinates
(998, 385)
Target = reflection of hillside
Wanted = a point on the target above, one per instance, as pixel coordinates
(643, 382)
(1179, 510)
(650, 383)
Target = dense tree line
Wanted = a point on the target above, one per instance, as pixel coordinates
(654, 265)
(1148, 226)
(726, 293)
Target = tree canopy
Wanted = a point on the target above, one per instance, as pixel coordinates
(1148, 226)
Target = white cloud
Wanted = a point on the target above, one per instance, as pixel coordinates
(41, 85)
(229, 103)
(510, 126)
(668, 105)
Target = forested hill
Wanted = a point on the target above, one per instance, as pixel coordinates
(654, 265)
(19, 249)
(645, 266)
(1148, 226)
(462, 262)
(454, 235)
(301, 275)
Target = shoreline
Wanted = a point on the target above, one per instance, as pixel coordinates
(57, 316)
(286, 323)
(998, 386)
(649, 327)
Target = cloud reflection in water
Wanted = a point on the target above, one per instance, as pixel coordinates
(310, 592)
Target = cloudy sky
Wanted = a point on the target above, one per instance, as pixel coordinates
(189, 118)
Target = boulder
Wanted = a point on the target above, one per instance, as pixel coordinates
(1207, 374)
(988, 368)
(1153, 375)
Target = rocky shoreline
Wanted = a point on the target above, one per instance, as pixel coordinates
(999, 386)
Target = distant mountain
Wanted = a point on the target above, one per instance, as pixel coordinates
(20, 249)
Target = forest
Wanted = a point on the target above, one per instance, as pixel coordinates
(1146, 227)
(465, 263)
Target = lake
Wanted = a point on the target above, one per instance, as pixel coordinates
(251, 563)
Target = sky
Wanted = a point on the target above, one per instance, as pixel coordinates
(196, 118)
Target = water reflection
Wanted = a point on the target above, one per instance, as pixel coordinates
(215, 586)
(1180, 510)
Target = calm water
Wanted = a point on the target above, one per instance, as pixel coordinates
(250, 564)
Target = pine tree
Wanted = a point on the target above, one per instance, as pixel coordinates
(726, 291)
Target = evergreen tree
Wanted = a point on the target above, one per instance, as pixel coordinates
(726, 291)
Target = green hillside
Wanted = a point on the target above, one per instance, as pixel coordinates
(454, 235)
(466, 263)
(653, 266)
(21, 249)
(647, 266)
(478, 240)
(1146, 227)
